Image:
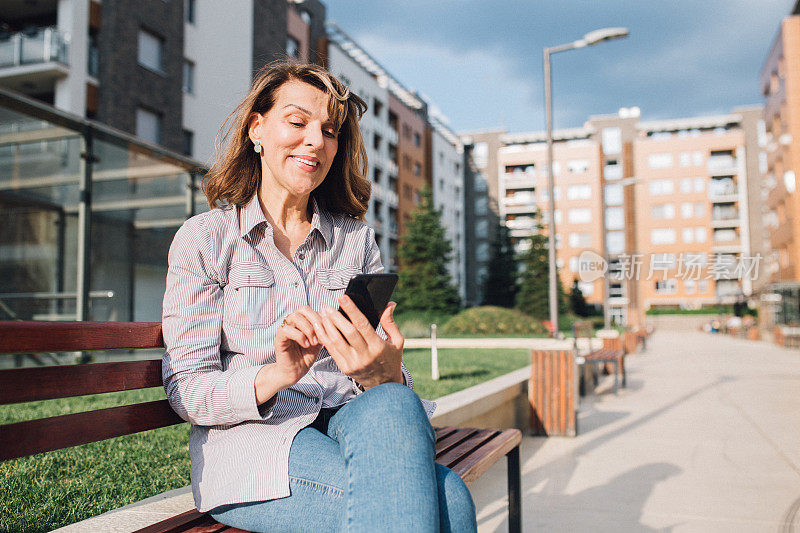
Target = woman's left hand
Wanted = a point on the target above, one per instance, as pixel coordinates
(357, 348)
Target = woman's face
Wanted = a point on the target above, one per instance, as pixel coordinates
(298, 140)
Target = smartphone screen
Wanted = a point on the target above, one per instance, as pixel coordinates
(371, 294)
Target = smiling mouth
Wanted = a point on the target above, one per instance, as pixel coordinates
(305, 161)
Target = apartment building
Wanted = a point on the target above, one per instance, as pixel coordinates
(779, 81)
(480, 207)
(670, 206)
(446, 160)
(169, 72)
(380, 139)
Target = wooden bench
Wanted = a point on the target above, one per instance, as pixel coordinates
(610, 354)
(468, 451)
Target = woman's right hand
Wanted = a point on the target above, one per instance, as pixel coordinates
(296, 349)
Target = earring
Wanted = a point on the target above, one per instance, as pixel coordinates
(257, 146)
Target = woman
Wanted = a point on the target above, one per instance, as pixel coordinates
(300, 419)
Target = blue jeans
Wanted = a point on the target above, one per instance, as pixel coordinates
(368, 467)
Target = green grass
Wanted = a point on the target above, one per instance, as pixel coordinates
(51, 490)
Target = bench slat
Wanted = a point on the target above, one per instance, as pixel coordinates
(454, 439)
(180, 523)
(48, 434)
(460, 452)
(45, 383)
(475, 464)
(34, 336)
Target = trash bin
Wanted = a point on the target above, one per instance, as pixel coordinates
(553, 393)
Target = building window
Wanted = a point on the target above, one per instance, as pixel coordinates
(614, 194)
(188, 76)
(612, 140)
(377, 174)
(659, 187)
(686, 210)
(579, 240)
(700, 234)
(685, 159)
(292, 47)
(667, 286)
(663, 211)
(660, 160)
(151, 51)
(686, 185)
(615, 242)
(417, 139)
(482, 229)
(407, 191)
(377, 107)
(687, 234)
(581, 215)
(148, 126)
(615, 218)
(376, 142)
(188, 142)
(662, 236)
(189, 13)
(481, 205)
(699, 184)
(699, 209)
(579, 192)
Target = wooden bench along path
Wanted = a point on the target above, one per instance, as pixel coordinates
(611, 352)
(467, 451)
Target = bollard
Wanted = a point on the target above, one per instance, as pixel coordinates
(434, 355)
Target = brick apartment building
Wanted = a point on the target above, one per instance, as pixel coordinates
(168, 72)
(668, 204)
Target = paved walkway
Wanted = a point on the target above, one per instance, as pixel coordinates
(705, 438)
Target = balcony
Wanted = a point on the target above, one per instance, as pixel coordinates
(520, 198)
(519, 180)
(37, 56)
(39, 45)
(723, 190)
(722, 164)
(523, 223)
(725, 216)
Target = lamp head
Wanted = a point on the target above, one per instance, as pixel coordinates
(604, 34)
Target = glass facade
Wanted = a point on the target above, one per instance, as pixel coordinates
(88, 216)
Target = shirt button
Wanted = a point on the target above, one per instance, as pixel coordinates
(296, 284)
(301, 256)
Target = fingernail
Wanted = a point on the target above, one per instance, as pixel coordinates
(314, 340)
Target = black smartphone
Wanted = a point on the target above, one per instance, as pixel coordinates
(371, 294)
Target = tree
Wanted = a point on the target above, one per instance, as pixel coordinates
(500, 284)
(577, 302)
(423, 254)
(533, 295)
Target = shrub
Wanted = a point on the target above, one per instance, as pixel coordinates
(417, 324)
(490, 320)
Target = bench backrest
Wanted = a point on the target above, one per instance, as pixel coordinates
(45, 383)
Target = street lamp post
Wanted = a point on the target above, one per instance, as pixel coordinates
(589, 39)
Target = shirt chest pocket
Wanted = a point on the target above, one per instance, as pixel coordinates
(251, 297)
(334, 281)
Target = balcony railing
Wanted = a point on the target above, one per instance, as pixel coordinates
(718, 164)
(40, 45)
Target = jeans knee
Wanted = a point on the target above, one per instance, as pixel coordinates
(456, 506)
(392, 406)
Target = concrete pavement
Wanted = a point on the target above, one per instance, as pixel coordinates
(705, 438)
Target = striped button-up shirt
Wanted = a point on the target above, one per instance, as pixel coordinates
(228, 289)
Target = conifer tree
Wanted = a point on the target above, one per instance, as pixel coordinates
(423, 254)
(500, 284)
(533, 295)
(577, 302)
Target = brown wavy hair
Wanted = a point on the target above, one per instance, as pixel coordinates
(235, 175)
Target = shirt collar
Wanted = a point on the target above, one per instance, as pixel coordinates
(251, 216)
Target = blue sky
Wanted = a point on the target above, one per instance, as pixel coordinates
(480, 61)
